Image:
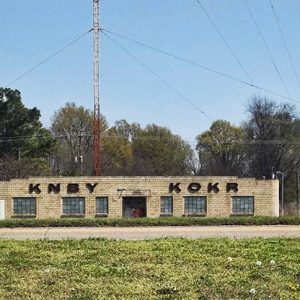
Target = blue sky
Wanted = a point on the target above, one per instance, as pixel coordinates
(32, 30)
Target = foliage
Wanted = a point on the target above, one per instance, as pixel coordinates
(22, 168)
(151, 151)
(159, 152)
(127, 149)
(267, 142)
(221, 150)
(162, 221)
(117, 150)
(272, 129)
(23, 140)
(73, 128)
(154, 269)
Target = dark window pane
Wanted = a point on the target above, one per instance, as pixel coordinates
(243, 205)
(166, 205)
(194, 205)
(73, 205)
(24, 206)
(101, 205)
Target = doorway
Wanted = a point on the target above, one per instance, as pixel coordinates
(134, 207)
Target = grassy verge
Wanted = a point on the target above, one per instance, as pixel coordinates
(154, 269)
(164, 221)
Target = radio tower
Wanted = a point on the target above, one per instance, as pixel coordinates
(96, 123)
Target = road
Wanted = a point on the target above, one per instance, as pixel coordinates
(141, 233)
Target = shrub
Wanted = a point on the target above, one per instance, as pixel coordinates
(162, 221)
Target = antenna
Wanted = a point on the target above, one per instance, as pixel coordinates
(96, 123)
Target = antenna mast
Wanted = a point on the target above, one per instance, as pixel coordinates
(96, 123)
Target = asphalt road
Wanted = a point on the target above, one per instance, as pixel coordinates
(141, 233)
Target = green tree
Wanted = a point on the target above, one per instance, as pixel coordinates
(132, 150)
(220, 149)
(73, 128)
(117, 149)
(157, 151)
(117, 154)
(23, 140)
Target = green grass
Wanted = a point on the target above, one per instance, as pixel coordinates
(152, 269)
(163, 221)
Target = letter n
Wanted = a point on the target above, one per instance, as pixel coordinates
(53, 188)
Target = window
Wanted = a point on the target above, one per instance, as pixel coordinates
(74, 206)
(195, 205)
(24, 206)
(166, 205)
(243, 205)
(101, 205)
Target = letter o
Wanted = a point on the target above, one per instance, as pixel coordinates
(194, 187)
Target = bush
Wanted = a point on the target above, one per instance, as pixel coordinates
(162, 221)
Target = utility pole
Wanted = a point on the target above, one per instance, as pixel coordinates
(96, 125)
(298, 189)
(79, 153)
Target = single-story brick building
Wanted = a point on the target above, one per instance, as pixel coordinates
(54, 197)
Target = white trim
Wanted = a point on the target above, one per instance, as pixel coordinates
(2, 209)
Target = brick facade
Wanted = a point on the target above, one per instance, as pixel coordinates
(49, 203)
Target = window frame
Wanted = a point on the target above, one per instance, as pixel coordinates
(102, 214)
(245, 212)
(187, 212)
(163, 205)
(18, 214)
(72, 213)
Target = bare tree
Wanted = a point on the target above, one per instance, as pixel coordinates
(272, 130)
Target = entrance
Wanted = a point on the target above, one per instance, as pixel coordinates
(134, 207)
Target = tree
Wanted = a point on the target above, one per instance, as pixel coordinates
(22, 137)
(271, 130)
(132, 150)
(11, 167)
(117, 150)
(158, 152)
(220, 149)
(73, 128)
